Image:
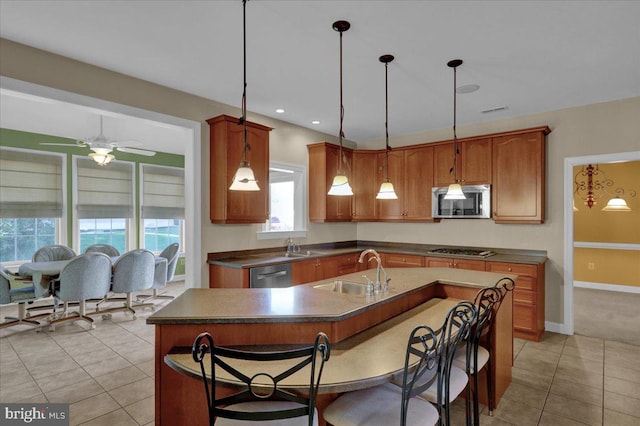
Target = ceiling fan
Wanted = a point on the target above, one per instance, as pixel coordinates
(103, 146)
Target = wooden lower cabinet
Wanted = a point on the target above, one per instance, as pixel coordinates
(306, 271)
(528, 298)
(347, 264)
(227, 277)
(403, 261)
(443, 262)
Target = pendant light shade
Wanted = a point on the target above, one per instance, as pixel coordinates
(455, 190)
(386, 189)
(244, 179)
(340, 185)
(617, 204)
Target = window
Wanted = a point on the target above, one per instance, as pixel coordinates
(104, 203)
(162, 203)
(32, 202)
(287, 197)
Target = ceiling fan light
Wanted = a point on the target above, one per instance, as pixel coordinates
(454, 192)
(102, 159)
(244, 179)
(617, 204)
(340, 186)
(386, 192)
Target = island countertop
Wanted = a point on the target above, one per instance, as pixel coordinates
(304, 303)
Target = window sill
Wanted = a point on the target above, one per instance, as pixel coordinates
(276, 235)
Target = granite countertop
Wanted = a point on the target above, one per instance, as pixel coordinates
(251, 260)
(304, 303)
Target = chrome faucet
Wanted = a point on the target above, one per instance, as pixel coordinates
(291, 247)
(378, 286)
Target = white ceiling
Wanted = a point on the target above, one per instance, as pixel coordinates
(530, 56)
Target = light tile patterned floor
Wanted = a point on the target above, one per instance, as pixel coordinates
(107, 375)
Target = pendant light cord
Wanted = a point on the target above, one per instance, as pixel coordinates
(341, 133)
(455, 137)
(386, 119)
(243, 119)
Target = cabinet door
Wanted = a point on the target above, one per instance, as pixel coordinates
(392, 209)
(327, 267)
(338, 207)
(518, 178)
(442, 163)
(304, 271)
(418, 180)
(347, 264)
(323, 166)
(475, 162)
(365, 185)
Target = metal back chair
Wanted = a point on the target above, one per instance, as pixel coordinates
(261, 398)
(455, 329)
(107, 249)
(52, 253)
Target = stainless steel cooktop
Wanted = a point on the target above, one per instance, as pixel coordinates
(463, 252)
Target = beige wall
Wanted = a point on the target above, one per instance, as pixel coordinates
(593, 129)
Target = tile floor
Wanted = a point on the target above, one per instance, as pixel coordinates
(107, 375)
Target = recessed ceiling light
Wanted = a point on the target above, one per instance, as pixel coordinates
(469, 88)
(315, 122)
(280, 111)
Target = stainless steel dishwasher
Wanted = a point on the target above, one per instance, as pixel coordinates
(271, 276)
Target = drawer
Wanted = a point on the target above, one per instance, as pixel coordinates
(524, 317)
(514, 268)
(351, 259)
(347, 269)
(524, 296)
(400, 260)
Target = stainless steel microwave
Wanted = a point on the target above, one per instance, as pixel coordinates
(476, 205)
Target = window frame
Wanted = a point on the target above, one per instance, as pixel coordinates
(300, 203)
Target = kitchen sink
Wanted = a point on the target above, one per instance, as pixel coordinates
(306, 253)
(345, 287)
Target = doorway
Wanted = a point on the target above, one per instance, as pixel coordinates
(569, 235)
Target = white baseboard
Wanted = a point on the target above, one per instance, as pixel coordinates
(554, 327)
(607, 287)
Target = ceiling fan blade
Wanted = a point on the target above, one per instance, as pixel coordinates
(136, 151)
(64, 144)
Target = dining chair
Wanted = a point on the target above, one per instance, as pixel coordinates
(107, 249)
(53, 252)
(388, 404)
(471, 356)
(16, 289)
(161, 278)
(133, 271)
(85, 277)
(260, 397)
(452, 380)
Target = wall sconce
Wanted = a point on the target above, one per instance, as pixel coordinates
(593, 185)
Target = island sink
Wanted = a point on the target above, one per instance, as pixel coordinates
(345, 287)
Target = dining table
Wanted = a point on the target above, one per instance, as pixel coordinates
(42, 273)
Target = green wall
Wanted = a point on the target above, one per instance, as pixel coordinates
(27, 140)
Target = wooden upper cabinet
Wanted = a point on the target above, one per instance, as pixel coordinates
(473, 163)
(323, 166)
(226, 143)
(410, 171)
(518, 192)
(365, 185)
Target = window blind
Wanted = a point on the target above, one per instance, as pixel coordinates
(30, 184)
(162, 192)
(104, 191)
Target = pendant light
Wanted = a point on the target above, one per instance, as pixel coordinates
(386, 189)
(244, 179)
(454, 192)
(340, 185)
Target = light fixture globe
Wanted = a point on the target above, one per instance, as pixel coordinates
(617, 204)
(340, 186)
(244, 180)
(386, 192)
(454, 192)
(102, 158)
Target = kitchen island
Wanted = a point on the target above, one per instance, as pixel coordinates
(294, 315)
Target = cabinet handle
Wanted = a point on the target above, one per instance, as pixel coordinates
(510, 269)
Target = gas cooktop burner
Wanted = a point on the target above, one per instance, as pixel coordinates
(463, 252)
